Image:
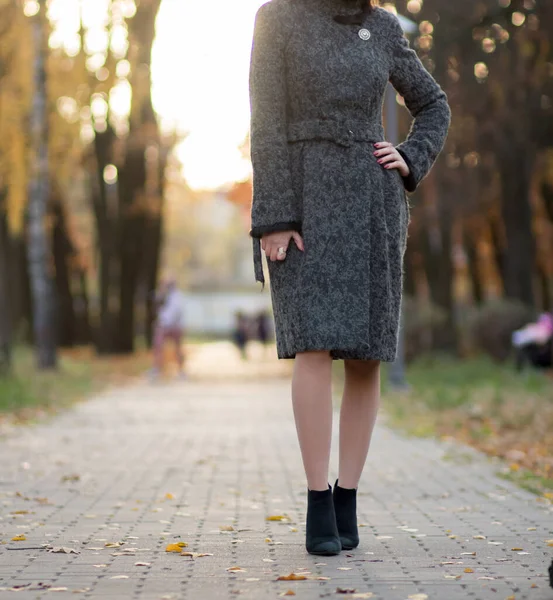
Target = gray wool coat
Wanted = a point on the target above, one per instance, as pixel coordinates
(317, 88)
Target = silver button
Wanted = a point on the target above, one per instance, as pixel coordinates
(365, 34)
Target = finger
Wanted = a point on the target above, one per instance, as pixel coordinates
(385, 151)
(383, 144)
(273, 254)
(392, 157)
(394, 165)
(299, 240)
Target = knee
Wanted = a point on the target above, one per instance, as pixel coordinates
(313, 360)
(362, 369)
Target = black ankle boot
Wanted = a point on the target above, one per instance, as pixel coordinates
(345, 505)
(322, 533)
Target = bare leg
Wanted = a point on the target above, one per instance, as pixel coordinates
(159, 342)
(179, 350)
(357, 418)
(312, 401)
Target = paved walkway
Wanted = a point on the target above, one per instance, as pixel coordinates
(205, 462)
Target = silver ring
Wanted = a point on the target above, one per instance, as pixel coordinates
(282, 252)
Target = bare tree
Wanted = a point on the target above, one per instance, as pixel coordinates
(39, 251)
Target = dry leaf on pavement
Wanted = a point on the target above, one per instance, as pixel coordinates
(236, 570)
(340, 590)
(418, 597)
(278, 518)
(176, 547)
(226, 528)
(288, 593)
(292, 577)
(63, 550)
(142, 564)
(19, 538)
(120, 577)
(469, 570)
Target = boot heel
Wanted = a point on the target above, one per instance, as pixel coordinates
(345, 506)
(321, 532)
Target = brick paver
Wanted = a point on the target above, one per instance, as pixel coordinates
(154, 464)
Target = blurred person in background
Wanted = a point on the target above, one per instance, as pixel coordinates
(169, 325)
(534, 343)
(263, 327)
(241, 333)
(329, 211)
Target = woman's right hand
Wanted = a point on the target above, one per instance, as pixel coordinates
(273, 243)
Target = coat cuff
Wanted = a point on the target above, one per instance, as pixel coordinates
(410, 182)
(259, 232)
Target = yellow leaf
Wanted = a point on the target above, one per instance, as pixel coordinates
(418, 597)
(514, 467)
(478, 537)
(268, 540)
(510, 598)
(236, 570)
(226, 528)
(469, 570)
(292, 577)
(112, 544)
(548, 495)
(174, 548)
(534, 586)
(293, 529)
(278, 518)
(169, 497)
(20, 512)
(182, 544)
(288, 593)
(516, 549)
(19, 538)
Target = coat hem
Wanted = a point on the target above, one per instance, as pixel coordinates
(342, 354)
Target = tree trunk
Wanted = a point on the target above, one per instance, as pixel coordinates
(63, 253)
(39, 252)
(5, 308)
(516, 167)
(471, 250)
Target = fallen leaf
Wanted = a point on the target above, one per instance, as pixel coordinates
(418, 597)
(226, 528)
(142, 564)
(345, 590)
(469, 570)
(534, 586)
(169, 497)
(120, 577)
(176, 547)
(100, 566)
(251, 579)
(292, 577)
(268, 540)
(384, 537)
(278, 518)
(58, 589)
(63, 550)
(81, 591)
(270, 560)
(70, 478)
(532, 529)
(495, 543)
(293, 529)
(468, 553)
(510, 598)
(363, 595)
(288, 593)
(320, 578)
(487, 578)
(236, 570)
(344, 568)
(478, 537)
(112, 544)
(516, 549)
(20, 512)
(196, 554)
(452, 576)
(19, 538)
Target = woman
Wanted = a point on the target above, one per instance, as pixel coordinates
(330, 211)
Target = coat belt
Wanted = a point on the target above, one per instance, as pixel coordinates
(344, 133)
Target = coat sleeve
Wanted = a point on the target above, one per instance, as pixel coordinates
(274, 206)
(426, 102)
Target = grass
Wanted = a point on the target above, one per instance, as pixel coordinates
(29, 393)
(488, 406)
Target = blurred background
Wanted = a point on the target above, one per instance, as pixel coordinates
(124, 157)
